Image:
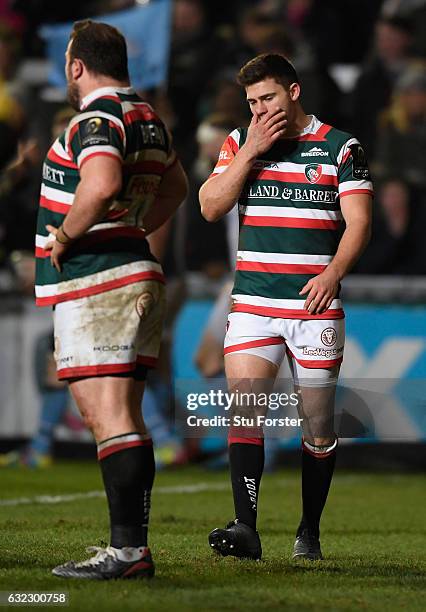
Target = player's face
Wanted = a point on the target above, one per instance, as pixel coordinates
(73, 91)
(267, 95)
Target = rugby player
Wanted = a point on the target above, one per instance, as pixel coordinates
(295, 180)
(108, 181)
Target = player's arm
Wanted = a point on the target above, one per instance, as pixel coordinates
(220, 193)
(158, 240)
(357, 211)
(172, 191)
(100, 182)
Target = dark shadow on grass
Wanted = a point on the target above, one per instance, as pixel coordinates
(355, 567)
(385, 531)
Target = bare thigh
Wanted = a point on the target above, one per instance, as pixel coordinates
(250, 375)
(109, 405)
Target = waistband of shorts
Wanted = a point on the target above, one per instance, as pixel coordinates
(287, 313)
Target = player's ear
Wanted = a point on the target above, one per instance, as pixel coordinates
(77, 68)
(294, 91)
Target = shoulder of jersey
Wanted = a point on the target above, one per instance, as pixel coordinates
(123, 109)
(107, 104)
(337, 138)
(239, 135)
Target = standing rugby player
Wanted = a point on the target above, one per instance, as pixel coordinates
(109, 180)
(295, 180)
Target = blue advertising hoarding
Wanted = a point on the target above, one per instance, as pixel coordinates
(147, 32)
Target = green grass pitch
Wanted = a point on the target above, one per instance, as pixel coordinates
(372, 538)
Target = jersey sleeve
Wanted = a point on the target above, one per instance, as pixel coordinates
(227, 153)
(353, 172)
(95, 133)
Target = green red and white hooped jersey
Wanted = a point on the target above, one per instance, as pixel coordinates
(114, 252)
(290, 217)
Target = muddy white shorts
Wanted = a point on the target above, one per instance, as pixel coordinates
(113, 333)
(314, 347)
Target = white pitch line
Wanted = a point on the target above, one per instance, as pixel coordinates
(60, 499)
(176, 489)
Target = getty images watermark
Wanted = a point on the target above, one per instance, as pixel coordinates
(364, 408)
(218, 408)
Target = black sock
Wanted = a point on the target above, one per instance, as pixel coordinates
(128, 469)
(246, 464)
(317, 472)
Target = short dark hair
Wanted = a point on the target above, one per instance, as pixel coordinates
(268, 65)
(398, 23)
(101, 47)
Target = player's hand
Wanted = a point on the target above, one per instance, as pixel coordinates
(57, 249)
(265, 130)
(321, 290)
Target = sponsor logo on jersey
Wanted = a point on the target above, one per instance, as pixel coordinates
(329, 336)
(153, 135)
(313, 172)
(142, 185)
(265, 164)
(310, 195)
(360, 169)
(53, 175)
(312, 351)
(264, 191)
(272, 192)
(94, 131)
(315, 152)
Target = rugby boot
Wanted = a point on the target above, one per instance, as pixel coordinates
(307, 546)
(110, 563)
(238, 540)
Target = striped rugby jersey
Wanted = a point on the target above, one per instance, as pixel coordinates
(113, 253)
(290, 217)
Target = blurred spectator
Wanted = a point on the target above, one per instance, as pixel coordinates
(207, 249)
(401, 143)
(316, 24)
(20, 188)
(209, 354)
(394, 248)
(54, 394)
(252, 29)
(319, 93)
(11, 91)
(373, 91)
(193, 60)
(225, 97)
(16, 229)
(11, 111)
(415, 11)
(10, 18)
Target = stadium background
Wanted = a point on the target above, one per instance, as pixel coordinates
(362, 67)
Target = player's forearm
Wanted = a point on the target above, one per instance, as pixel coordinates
(171, 193)
(354, 240)
(158, 240)
(89, 207)
(219, 194)
(163, 209)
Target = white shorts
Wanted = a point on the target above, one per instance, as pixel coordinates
(314, 346)
(115, 332)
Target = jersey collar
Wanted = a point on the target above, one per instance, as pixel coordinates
(313, 127)
(103, 91)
